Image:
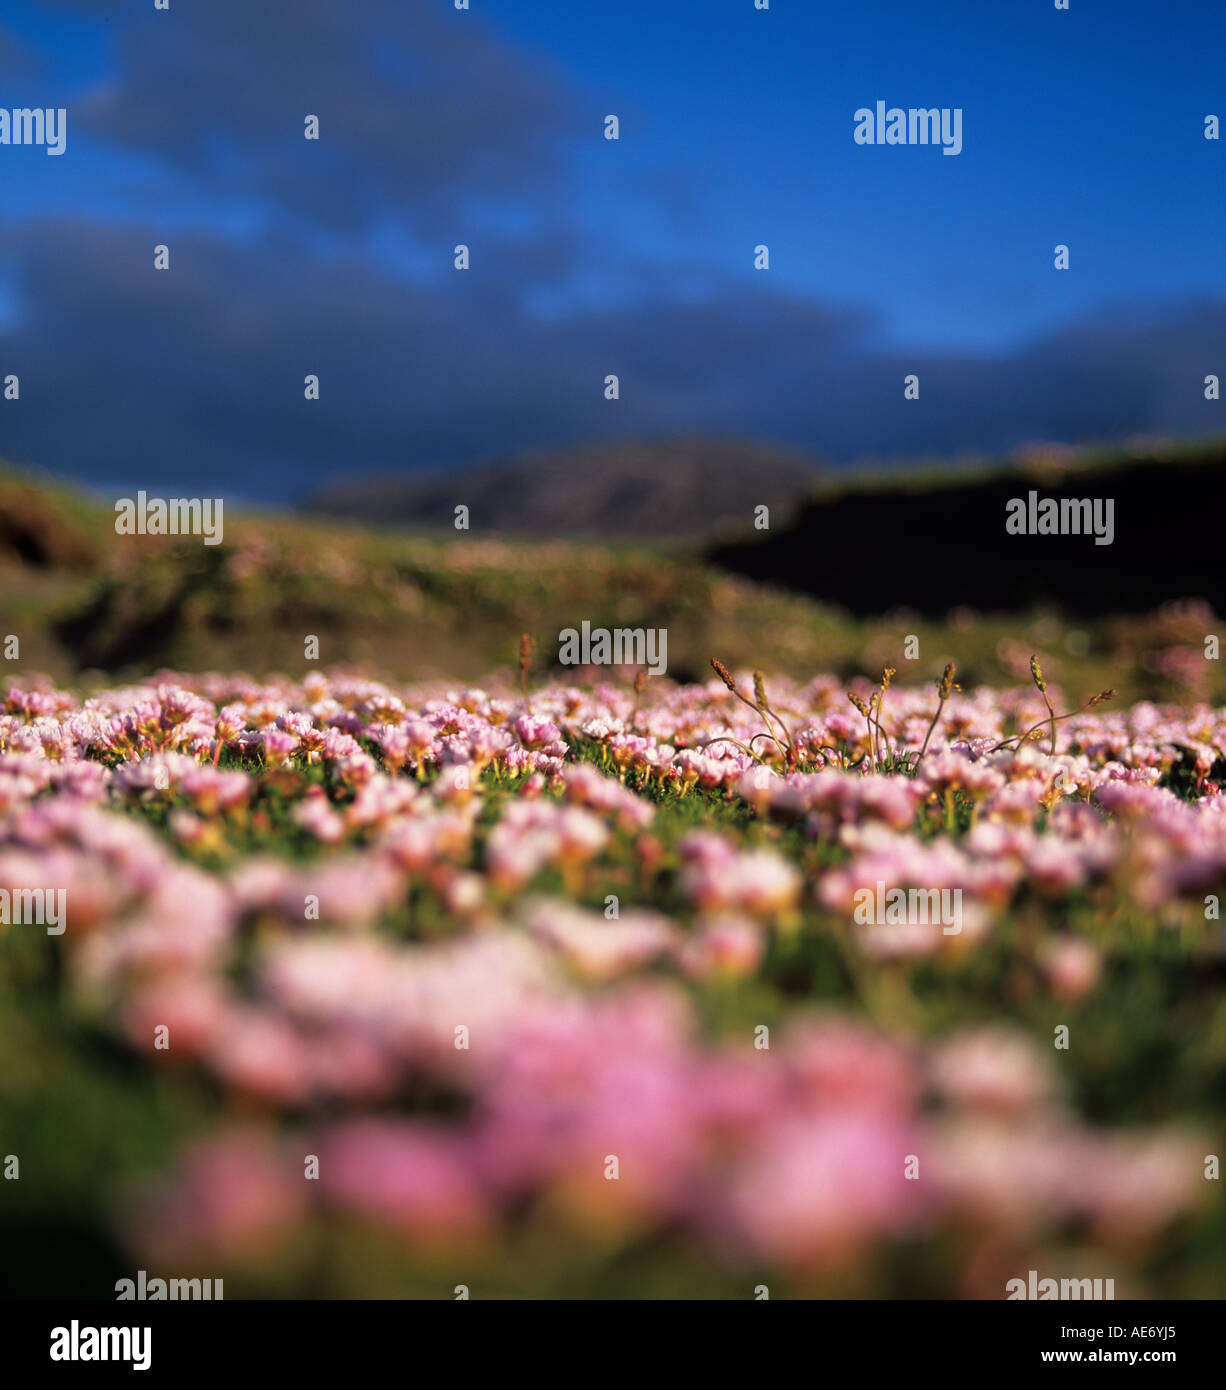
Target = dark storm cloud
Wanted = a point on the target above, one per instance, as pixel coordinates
(16, 59)
(1117, 372)
(419, 108)
(199, 372)
(195, 377)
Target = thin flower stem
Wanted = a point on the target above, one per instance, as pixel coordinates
(725, 738)
(1055, 719)
(928, 735)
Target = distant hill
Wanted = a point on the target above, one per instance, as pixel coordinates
(82, 599)
(684, 488)
(934, 541)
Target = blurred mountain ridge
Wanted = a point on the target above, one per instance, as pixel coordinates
(682, 487)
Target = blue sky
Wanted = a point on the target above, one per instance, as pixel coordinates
(1069, 117)
(590, 256)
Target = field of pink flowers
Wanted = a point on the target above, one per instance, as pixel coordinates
(380, 991)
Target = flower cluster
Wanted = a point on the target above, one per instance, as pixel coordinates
(585, 959)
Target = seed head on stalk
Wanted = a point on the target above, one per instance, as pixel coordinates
(768, 713)
(1036, 675)
(887, 675)
(758, 704)
(868, 719)
(725, 675)
(1019, 739)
